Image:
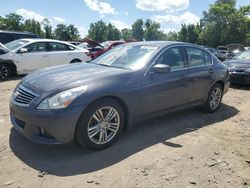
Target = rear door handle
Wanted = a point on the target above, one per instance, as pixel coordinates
(45, 55)
(211, 70)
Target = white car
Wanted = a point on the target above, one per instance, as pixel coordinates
(27, 55)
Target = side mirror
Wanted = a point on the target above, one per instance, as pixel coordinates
(161, 68)
(23, 50)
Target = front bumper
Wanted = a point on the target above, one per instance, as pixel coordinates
(45, 126)
(240, 77)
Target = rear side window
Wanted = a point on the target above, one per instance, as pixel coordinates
(172, 57)
(208, 58)
(59, 47)
(195, 57)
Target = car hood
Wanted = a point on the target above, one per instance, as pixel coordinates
(50, 79)
(238, 63)
(92, 43)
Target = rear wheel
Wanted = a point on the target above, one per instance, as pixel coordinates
(100, 125)
(4, 71)
(76, 61)
(214, 98)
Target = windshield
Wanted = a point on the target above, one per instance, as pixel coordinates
(243, 56)
(15, 44)
(131, 57)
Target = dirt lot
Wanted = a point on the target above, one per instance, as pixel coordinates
(186, 149)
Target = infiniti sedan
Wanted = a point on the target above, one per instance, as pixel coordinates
(93, 103)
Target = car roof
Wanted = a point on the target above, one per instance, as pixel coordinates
(44, 40)
(18, 32)
(162, 44)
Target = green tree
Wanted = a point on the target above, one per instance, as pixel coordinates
(137, 30)
(112, 33)
(97, 31)
(32, 26)
(183, 33)
(223, 24)
(13, 21)
(47, 28)
(172, 36)
(151, 31)
(72, 32)
(126, 34)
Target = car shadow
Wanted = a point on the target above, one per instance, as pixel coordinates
(13, 78)
(68, 160)
(240, 86)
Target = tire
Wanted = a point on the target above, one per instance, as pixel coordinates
(92, 124)
(5, 71)
(214, 98)
(75, 61)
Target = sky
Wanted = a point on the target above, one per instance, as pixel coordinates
(121, 13)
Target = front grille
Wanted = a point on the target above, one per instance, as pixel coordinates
(239, 70)
(24, 96)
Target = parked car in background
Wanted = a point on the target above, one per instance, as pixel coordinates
(239, 68)
(27, 55)
(96, 49)
(76, 43)
(215, 51)
(8, 36)
(223, 52)
(234, 49)
(94, 102)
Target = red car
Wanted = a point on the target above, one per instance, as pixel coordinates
(96, 49)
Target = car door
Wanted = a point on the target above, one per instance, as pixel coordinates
(166, 90)
(33, 57)
(200, 71)
(59, 53)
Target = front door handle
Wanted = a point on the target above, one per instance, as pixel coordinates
(45, 55)
(183, 76)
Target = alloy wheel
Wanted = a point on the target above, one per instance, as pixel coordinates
(3, 72)
(103, 125)
(215, 98)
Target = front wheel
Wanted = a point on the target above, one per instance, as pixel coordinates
(4, 71)
(100, 124)
(214, 98)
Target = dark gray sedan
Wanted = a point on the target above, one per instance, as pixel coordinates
(92, 103)
(239, 68)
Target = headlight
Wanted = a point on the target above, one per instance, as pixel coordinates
(231, 69)
(61, 100)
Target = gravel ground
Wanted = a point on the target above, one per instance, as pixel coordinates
(185, 149)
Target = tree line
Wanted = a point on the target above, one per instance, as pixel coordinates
(223, 23)
(15, 22)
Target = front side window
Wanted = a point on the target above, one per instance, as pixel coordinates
(172, 57)
(37, 47)
(195, 57)
(58, 47)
